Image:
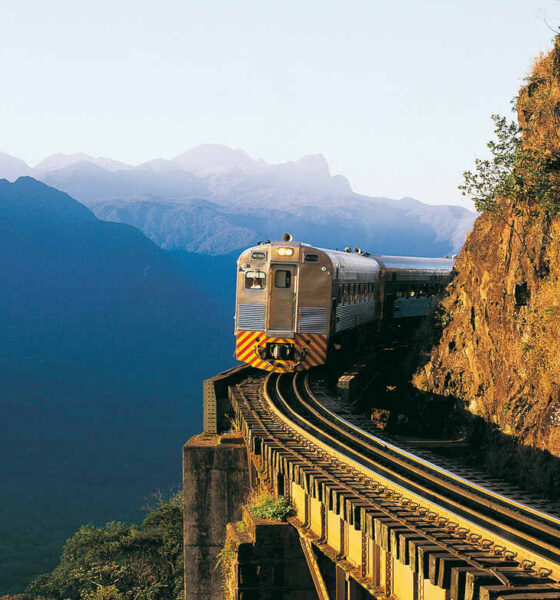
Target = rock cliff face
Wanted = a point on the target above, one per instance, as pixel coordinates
(500, 351)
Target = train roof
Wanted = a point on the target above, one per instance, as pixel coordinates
(362, 263)
(415, 263)
(349, 262)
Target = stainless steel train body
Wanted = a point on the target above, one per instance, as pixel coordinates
(294, 301)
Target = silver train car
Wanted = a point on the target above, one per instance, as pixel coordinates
(294, 301)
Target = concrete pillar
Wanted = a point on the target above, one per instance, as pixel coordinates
(215, 483)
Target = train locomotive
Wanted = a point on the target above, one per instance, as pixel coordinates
(295, 302)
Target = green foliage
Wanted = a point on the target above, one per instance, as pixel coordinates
(242, 526)
(492, 177)
(226, 556)
(514, 171)
(271, 509)
(442, 318)
(120, 562)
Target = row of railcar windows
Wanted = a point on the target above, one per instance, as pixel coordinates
(354, 293)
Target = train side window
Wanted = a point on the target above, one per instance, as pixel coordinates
(255, 280)
(340, 295)
(282, 279)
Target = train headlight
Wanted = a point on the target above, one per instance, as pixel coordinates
(285, 251)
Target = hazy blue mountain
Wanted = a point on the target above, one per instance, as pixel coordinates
(210, 158)
(213, 199)
(233, 201)
(91, 183)
(12, 168)
(376, 224)
(104, 342)
(79, 288)
(61, 161)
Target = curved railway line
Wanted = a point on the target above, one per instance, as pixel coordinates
(369, 479)
(520, 522)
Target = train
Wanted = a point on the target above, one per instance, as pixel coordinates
(296, 304)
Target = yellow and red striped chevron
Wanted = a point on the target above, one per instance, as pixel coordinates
(314, 344)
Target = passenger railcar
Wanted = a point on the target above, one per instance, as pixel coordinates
(294, 301)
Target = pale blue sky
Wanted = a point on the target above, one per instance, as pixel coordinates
(396, 94)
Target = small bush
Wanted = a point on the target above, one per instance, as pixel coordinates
(442, 318)
(225, 562)
(271, 509)
(241, 526)
(226, 556)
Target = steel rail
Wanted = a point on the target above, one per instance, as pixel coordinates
(475, 513)
(431, 466)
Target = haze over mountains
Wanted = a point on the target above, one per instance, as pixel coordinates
(214, 200)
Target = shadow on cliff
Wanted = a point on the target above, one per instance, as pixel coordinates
(394, 404)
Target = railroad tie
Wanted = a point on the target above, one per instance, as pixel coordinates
(395, 534)
(382, 528)
(493, 592)
(459, 579)
(441, 565)
(419, 550)
(552, 595)
(475, 579)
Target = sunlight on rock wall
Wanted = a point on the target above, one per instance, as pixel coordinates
(500, 352)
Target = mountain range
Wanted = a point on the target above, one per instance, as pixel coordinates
(215, 200)
(118, 286)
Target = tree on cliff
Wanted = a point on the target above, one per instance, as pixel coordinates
(120, 562)
(515, 171)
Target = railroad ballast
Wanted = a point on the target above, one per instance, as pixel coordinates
(295, 302)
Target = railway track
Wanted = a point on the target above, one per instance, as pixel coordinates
(515, 521)
(286, 421)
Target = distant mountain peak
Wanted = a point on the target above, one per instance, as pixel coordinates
(33, 202)
(207, 158)
(12, 167)
(61, 161)
(310, 165)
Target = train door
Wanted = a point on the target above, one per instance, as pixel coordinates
(282, 305)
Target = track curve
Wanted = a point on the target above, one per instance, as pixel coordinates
(293, 396)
